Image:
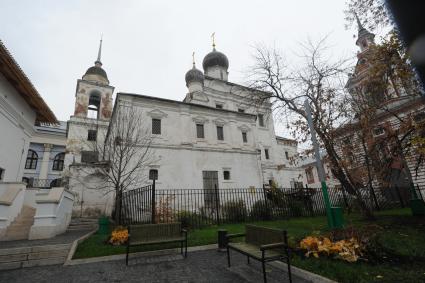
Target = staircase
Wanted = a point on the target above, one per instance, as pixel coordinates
(78, 224)
(19, 229)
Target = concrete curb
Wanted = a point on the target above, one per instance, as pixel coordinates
(75, 245)
(139, 254)
(301, 273)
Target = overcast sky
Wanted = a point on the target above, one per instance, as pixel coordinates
(147, 45)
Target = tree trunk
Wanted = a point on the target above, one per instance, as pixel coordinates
(345, 181)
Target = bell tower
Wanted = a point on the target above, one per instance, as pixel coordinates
(93, 97)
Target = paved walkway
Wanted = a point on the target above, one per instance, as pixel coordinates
(66, 238)
(200, 266)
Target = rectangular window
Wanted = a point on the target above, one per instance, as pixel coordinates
(259, 152)
(200, 131)
(1, 173)
(244, 137)
(261, 120)
(156, 126)
(240, 110)
(286, 155)
(226, 175)
(219, 106)
(220, 134)
(89, 156)
(92, 135)
(153, 174)
(266, 153)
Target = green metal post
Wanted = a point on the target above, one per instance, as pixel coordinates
(329, 215)
(319, 165)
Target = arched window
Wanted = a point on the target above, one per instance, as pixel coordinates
(94, 106)
(32, 158)
(58, 162)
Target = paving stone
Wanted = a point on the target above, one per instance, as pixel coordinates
(10, 265)
(12, 251)
(48, 254)
(13, 257)
(44, 261)
(200, 266)
(50, 248)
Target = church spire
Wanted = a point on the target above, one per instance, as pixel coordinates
(193, 60)
(98, 62)
(364, 37)
(359, 24)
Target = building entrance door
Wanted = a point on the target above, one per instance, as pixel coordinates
(211, 196)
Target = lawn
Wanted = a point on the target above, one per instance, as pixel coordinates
(398, 237)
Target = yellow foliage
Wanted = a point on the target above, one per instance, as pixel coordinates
(348, 250)
(119, 236)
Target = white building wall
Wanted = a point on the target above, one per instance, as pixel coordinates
(17, 120)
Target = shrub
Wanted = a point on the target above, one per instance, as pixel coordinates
(235, 210)
(190, 219)
(296, 208)
(261, 210)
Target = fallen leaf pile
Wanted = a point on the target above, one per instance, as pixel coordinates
(348, 249)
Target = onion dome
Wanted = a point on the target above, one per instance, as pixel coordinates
(215, 58)
(97, 70)
(194, 75)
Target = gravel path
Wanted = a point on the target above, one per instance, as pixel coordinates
(200, 266)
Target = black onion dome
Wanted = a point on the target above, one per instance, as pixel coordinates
(95, 70)
(215, 58)
(194, 75)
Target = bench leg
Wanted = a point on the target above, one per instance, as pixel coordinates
(289, 265)
(228, 256)
(185, 249)
(248, 259)
(264, 271)
(126, 256)
(181, 248)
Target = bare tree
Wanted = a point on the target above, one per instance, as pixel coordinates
(320, 79)
(120, 156)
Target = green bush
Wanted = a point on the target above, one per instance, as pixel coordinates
(190, 220)
(261, 210)
(296, 207)
(235, 210)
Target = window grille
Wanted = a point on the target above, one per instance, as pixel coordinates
(92, 135)
(156, 126)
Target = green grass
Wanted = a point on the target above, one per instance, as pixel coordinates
(398, 235)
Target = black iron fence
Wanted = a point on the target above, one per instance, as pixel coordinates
(201, 207)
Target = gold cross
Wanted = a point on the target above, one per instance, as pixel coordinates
(193, 58)
(213, 39)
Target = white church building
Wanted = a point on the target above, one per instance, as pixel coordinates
(214, 132)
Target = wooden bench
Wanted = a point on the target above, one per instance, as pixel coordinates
(262, 244)
(149, 234)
